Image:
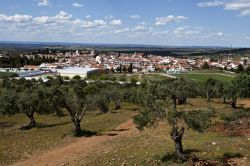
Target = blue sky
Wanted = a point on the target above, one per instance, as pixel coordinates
(158, 22)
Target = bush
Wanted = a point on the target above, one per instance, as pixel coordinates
(199, 120)
(112, 78)
(123, 78)
(134, 80)
(76, 77)
(236, 115)
(103, 78)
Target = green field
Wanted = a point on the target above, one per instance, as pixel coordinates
(202, 77)
(129, 77)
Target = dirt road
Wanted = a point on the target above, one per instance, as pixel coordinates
(62, 155)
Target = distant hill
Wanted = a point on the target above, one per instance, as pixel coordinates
(127, 48)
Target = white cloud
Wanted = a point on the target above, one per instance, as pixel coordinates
(135, 16)
(61, 17)
(220, 34)
(210, 3)
(171, 18)
(159, 34)
(245, 12)
(108, 17)
(43, 3)
(247, 37)
(90, 24)
(139, 28)
(88, 16)
(120, 31)
(243, 6)
(100, 23)
(178, 30)
(15, 18)
(215, 35)
(186, 31)
(43, 20)
(116, 22)
(237, 5)
(143, 23)
(77, 4)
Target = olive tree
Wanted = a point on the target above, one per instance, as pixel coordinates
(27, 101)
(78, 103)
(176, 90)
(239, 87)
(8, 104)
(35, 100)
(154, 110)
(210, 88)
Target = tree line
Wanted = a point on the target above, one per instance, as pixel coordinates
(17, 61)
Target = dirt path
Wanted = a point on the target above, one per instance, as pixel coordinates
(62, 155)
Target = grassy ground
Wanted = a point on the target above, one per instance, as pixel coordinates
(155, 77)
(129, 77)
(154, 146)
(151, 147)
(202, 77)
(16, 144)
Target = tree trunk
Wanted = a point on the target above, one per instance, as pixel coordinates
(208, 96)
(233, 104)
(182, 100)
(224, 100)
(78, 127)
(174, 98)
(32, 120)
(117, 105)
(177, 137)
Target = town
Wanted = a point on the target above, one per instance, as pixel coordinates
(90, 62)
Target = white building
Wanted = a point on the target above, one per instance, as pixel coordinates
(83, 72)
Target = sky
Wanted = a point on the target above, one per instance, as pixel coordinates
(154, 22)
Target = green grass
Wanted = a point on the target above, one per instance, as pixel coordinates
(203, 77)
(138, 77)
(155, 77)
(16, 144)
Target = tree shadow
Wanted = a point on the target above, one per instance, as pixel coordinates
(26, 127)
(87, 133)
(4, 125)
(168, 157)
(172, 157)
(111, 134)
(114, 111)
(222, 161)
(120, 130)
(229, 155)
(41, 125)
